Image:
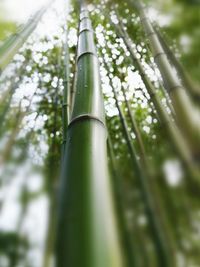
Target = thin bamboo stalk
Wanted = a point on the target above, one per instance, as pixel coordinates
(186, 80)
(15, 42)
(87, 233)
(136, 130)
(180, 144)
(66, 95)
(158, 235)
(149, 172)
(128, 245)
(52, 176)
(74, 83)
(133, 240)
(188, 117)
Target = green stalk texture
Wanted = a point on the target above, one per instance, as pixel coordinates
(158, 236)
(188, 117)
(73, 87)
(74, 82)
(66, 102)
(174, 134)
(15, 42)
(66, 95)
(187, 82)
(87, 233)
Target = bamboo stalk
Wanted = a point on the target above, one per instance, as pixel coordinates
(15, 42)
(66, 95)
(53, 174)
(188, 117)
(158, 235)
(186, 80)
(136, 130)
(130, 247)
(87, 233)
(180, 144)
(74, 83)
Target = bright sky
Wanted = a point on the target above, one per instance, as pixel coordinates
(20, 10)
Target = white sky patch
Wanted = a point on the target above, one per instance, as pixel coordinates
(35, 227)
(185, 42)
(173, 172)
(21, 10)
(162, 19)
(134, 80)
(11, 206)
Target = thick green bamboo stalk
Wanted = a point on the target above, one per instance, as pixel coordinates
(188, 117)
(158, 235)
(186, 80)
(15, 42)
(174, 134)
(87, 233)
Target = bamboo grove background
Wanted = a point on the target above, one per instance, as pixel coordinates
(100, 135)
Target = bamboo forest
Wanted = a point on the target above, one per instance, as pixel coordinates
(100, 133)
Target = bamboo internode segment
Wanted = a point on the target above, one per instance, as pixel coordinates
(87, 228)
(16, 41)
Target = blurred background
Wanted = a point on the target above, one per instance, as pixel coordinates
(31, 92)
